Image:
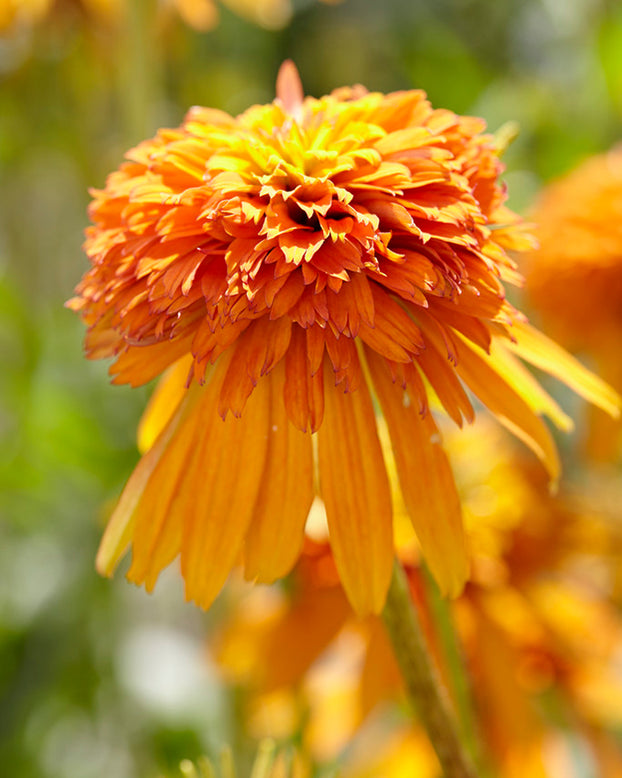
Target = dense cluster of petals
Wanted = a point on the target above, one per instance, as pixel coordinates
(289, 265)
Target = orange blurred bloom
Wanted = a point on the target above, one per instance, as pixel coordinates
(202, 15)
(539, 632)
(286, 264)
(15, 14)
(575, 277)
(19, 12)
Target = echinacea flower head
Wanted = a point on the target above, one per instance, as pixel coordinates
(574, 278)
(285, 267)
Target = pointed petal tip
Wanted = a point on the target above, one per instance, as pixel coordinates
(451, 574)
(289, 90)
(108, 556)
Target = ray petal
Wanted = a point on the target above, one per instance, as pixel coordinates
(508, 406)
(426, 480)
(534, 347)
(275, 536)
(356, 492)
(222, 492)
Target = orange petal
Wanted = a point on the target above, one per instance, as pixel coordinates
(441, 374)
(356, 493)
(499, 396)
(275, 536)
(140, 364)
(221, 491)
(258, 349)
(380, 676)
(303, 394)
(163, 403)
(426, 481)
(394, 333)
(311, 622)
(161, 512)
(534, 347)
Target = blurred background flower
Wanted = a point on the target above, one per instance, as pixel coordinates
(536, 665)
(99, 679)
(574, 278)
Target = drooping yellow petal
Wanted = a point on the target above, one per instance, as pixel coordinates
(535, 348)
(426, 481)
(163, 403)
(356, 493)
(507, 405)
(514, 372)
(161, 511)
(118, 534)
(275, 536)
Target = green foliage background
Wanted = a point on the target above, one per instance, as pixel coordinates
(98, 679)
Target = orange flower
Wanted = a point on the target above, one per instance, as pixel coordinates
(284, 265)
(575, 277)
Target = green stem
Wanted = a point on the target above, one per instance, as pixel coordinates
(454, 660)
(423, 686)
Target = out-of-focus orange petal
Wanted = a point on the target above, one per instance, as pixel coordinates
(356, 493)
(299, 638)
(380, 676)
(289, 91)
(535, 348)
(200, 14)
(507, 405)
(508, 720)
(516, 374)
(275, 536)
(426, 480)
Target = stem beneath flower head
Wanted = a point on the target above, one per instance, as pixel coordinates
(452, 654)
(423, 686)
